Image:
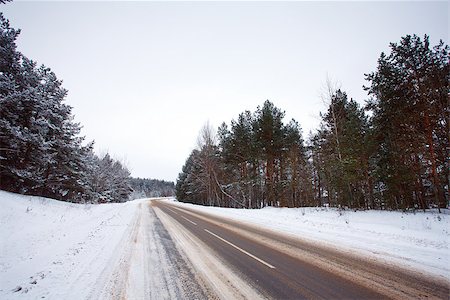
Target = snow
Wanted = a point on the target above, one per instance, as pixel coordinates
(416, 240)
(54, 249)
(59, 250)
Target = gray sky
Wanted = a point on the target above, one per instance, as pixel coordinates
(143, 77)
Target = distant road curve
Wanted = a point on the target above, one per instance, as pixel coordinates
(282, 267)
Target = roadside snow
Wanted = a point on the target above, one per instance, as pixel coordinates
(419, 240)
(53, 249)
(58, 250)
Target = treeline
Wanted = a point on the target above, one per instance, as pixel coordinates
(391, 153)
(148, 188)
(41, 152)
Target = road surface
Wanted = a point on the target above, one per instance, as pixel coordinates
(266, 264)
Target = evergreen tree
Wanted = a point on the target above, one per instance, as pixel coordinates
(411, 122)
(143, 187)
(109, 179)
(268, 127)
(240, 160)
(187, 188)
(258, 159)
(398, 158)
(341, 154)
(41, 152)
(296, 175)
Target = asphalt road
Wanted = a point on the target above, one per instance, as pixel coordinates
(283, 267)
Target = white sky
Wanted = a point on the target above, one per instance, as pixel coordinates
(143, 77)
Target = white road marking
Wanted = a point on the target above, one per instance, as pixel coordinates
(240, 249)
(172, 211)
(189, 220)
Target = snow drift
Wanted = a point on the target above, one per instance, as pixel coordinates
(54, 249)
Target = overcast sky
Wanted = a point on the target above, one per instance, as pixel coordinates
(143, 77)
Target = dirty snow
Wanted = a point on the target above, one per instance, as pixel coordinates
(51, 249)
(418, 240)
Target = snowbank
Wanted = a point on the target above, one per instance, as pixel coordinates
(419, 240)
(54, 249)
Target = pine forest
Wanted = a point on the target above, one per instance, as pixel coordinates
(391, 153)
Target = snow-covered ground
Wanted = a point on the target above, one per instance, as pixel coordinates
(419, 240)
(58, 250)
(53, 249)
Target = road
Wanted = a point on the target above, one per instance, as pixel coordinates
(145, 265)
(282, 267)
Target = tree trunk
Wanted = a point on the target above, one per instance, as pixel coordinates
(436, 189)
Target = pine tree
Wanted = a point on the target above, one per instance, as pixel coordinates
(268, 127)
(296, 175)
(187, 187)
(340, 154)
(411, 122)
(258, 159)
(239, 159)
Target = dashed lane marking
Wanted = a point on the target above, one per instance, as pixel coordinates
(189, 220)
(172, 211)
(240, 249)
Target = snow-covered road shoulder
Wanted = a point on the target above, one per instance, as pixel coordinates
(48, 246)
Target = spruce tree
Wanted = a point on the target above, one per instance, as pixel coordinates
(41, 151)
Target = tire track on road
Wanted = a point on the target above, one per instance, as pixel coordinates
(391, 281)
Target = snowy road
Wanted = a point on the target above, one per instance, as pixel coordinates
(150, 266)
(282, 267)
(58, 250)
(168, 250)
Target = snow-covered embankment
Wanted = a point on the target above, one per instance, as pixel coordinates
(58, 250)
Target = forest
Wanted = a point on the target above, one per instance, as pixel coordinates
(41, 151)
(150, 188)
(390, 153)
